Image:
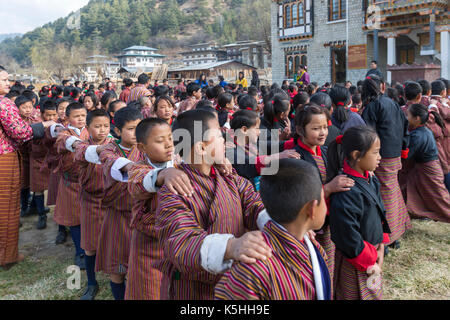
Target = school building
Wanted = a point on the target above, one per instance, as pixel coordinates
(407, 33)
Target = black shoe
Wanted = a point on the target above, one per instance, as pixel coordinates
(395, 244)
(90, 293)
(61, 237)
(386, 251)
(46, 210)
(42, 222)
(25, 212)
(80, 262)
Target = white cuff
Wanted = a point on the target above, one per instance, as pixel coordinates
(263, 218)
(150, 181)
(118, 175)
(91, 155)
(53, 133)
(212, 253)
(431, 106)
(70, 141)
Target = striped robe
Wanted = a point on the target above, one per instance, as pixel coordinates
(114, 241)
(39, 172)
(220, 204)
(143, 280)
(92, 192)
(68, 209)
(287, 275)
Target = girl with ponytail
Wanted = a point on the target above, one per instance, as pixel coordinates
(343, 118)
(276, 116)
(427, 196)
(358, 224)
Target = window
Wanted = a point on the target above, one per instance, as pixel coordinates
(287, 16)
(336, 10)
(407, 55)
(296, 14)
(293, 61)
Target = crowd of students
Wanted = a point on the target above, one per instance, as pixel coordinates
(354, 165)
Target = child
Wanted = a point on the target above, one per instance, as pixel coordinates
(146, 107)
(386, 116)
(244, 155)
(92, 191)
(426, 192)
(356, 103)
(357, 217)
(113, 108)
(311, 132)
(324, 101)
(294, 199)
(276, 117)
(90, 101)
(225, 106)
(68, 209)
(194, 93)
(154, 137)
(164, 108)
(203, 227)
(247, 102)
(341, 116)
(39, 172)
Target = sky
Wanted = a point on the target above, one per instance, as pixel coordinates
(21, 16)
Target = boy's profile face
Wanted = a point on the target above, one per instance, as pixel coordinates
(77, 118)
(99, 129)
(320, 212)
(159, 145)
(26, 109)
(198, 94)
(49, 115)
(214, 144)
(62, 110)
(128, 133)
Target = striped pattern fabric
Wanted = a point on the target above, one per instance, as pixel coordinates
(220, 204)
(51, 160)
(352, 284)
(9, 207)
(321, 165)
(427, 196)
(143, 280)
(24, 157)
(139, 91)
(68, 207)
(92, 192)
(39, 172)
(396, 213)
(145, 249)
(53, 183)
(323, 237)
(287, 275)
(115, 235)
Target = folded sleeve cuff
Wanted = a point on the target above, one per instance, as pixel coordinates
(116, 172)
(53, 132)
(386, 238)
(259, 164)
(366, 258)
(38, 130)
(69, 143)
(288, 145)
(150, 181)
(405, 154)
(263, 218)
(212, 253)
(91, 155)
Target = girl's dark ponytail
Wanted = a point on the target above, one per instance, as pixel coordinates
(274, 106)
(371, 89)
(335, 159)
(340, 96)
(438, 119)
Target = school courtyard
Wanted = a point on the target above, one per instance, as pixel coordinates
(419, 270)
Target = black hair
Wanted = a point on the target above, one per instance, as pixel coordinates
(96, 114)
(304, 115)
(421, 111)
(127, 82)
(61, 100)
(57, 91)
(393, 94)
(356, 98)
(359, 138)
(144, 128)
(75, 93)
(446, 82)
(112, 105)
(321, 99)
(49, 105)
(252, 91)
(247, 102)
(2, 69)
(374, 61)
(412, 90)
(21, 100)
(161, 98)
(192, 87)
(224, 99)
(187, 121)
(12, 94)
(74, 106)
(371, 90)
(437, 87)
(426, 86)
(161, 91)
(278, 104)
(299, 99)
(340, 96)
(143, 78)
(352, 89)
(45, 90)
(107, 96)
(125, 115)
(93, 97)
(210, 93)
(18, 87)
(243, 118)
(135, 104)
(204, 103)
(285, 193)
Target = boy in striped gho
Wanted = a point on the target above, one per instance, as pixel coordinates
(294, 199)
(92, 190)
(201, 235)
